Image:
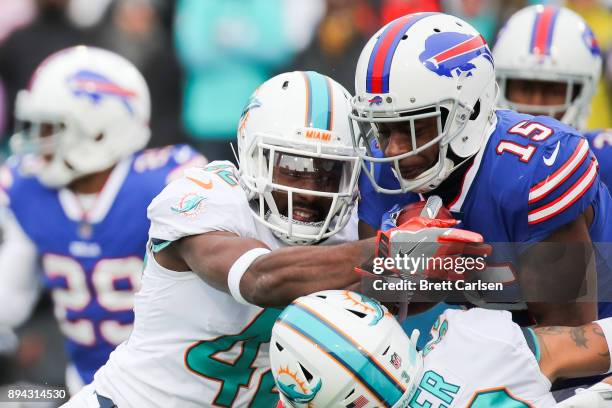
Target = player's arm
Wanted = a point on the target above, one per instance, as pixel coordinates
(567, 352)
(268, 278)
(366, 230)
(555, 270)
(19, 286)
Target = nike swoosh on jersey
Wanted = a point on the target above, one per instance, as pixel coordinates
(208, 185)
(549, 161)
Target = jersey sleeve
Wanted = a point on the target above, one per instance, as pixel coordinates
(18, 273)
(564, 183)
(202, 200)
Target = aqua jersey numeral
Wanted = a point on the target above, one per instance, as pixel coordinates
(225, 172)
(201, 358)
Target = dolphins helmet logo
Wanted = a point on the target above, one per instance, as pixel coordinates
(450, 54)
(367, 304)
(590, 41)
(377, 100)
(96, 87)
(298, 391)
(252, 103)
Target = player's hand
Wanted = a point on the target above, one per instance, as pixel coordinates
(431, 246)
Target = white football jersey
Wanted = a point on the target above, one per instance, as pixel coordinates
(193, 345)
(480, 358)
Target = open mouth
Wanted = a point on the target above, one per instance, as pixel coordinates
(304, 214)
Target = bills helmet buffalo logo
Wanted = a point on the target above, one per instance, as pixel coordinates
(450, 54)
(97, 87)
(377, 100)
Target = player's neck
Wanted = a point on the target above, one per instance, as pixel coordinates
(91, 183)
(450, 188)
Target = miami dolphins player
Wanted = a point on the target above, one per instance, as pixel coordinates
(341, 349)
(77, 195)
(425, 96)
(548, 62)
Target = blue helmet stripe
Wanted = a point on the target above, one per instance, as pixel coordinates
(344, 351)
(319, 109)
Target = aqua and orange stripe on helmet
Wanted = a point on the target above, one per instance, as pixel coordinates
(379, 65)
(319, 101)
(542, 31)
(345, 351)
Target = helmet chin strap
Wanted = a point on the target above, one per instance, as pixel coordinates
(442, 174)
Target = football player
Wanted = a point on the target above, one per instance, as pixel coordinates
(547, 62)
(342, 349)
(425, 96)
(77, 195)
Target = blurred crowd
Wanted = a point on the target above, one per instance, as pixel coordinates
(203, 58)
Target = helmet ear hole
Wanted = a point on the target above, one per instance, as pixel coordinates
(285, 85)
(278, 346)
(99, 137)
(476, 110)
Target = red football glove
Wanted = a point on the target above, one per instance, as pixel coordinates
(433, 244)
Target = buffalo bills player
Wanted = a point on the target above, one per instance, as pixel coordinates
(548, 62)
(425, 96)
(77, 196)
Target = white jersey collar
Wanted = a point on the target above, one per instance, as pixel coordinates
(470, 175)
(73, 208)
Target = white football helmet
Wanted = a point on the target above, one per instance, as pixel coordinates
(549, 43)
(85, 109)
(420, 66)
(294, 140)
(339, 349)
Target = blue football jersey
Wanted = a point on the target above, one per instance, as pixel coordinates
(600, 142)
(533, 176)
(92, 262)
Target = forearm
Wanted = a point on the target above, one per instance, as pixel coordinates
(568, 352)
(276, 279)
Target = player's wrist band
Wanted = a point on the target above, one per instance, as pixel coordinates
(239, 268)
(606, 328)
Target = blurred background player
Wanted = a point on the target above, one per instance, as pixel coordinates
(77, 194)
(426, 94)
(548, 62)
(342, 349)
